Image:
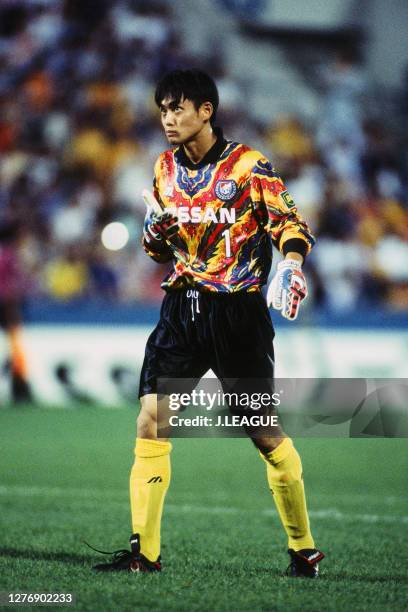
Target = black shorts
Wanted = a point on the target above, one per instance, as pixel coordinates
(229, 333)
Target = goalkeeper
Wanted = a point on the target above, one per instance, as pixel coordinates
(216, 210)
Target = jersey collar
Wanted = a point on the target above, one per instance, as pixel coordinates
(211, 157)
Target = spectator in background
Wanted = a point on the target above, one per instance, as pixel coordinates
(67, 275)
(340, 255)
(343, 83)
(103, 277)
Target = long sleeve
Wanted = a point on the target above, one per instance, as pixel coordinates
(277, 211)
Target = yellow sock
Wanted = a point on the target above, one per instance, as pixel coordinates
(284, 473)
(149, 481)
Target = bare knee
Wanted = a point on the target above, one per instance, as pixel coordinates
(146, 426)
(151, 418)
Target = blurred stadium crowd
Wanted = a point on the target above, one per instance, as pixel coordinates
(79, 134)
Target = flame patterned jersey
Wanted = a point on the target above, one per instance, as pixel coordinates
(231, 208)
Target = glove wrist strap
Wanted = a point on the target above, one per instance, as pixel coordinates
(290, 263)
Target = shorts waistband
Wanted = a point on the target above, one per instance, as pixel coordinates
(211, 294)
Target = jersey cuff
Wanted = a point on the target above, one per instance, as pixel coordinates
(297, 245)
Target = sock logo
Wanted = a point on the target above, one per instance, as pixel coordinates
(155, 479)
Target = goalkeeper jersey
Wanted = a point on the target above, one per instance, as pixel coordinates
(231, 207)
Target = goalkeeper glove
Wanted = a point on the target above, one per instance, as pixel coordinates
(159, 227)
(287, 289)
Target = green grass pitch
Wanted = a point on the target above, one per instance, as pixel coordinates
(64, 478)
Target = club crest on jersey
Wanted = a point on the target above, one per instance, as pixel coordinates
(225, 190)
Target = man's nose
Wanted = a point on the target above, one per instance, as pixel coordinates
(169, 119)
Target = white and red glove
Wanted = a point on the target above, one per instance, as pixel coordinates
(287, 289)
(159, 225)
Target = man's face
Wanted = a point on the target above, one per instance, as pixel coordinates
(181, 120)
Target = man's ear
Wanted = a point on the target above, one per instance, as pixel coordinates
(206, 111)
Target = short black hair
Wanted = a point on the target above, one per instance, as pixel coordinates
(194, 85)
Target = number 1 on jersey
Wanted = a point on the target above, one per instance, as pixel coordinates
(227, 236)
